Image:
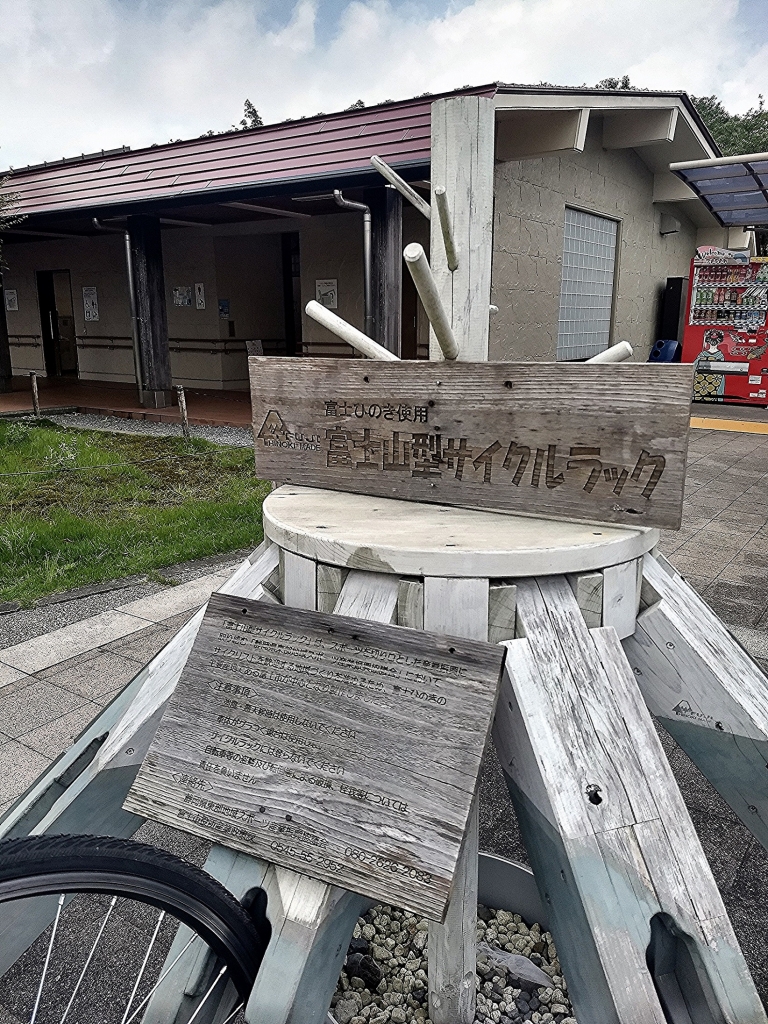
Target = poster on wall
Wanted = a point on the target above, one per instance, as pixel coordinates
(224, 309)
(182, 295)
(11, 300)
(90, 303)
(327, 292)
(200, 296)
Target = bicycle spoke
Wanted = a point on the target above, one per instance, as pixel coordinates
(204, 1000)
(159, 981)
(234, 1013)
(33, 1018)
(143, 967)
(88, 960)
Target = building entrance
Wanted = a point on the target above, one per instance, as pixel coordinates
(57, 322)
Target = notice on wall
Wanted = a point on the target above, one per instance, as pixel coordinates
(327, 292)
(182, 295)
(342, 749)
(574, 441)
(200, 296)
(11, 300)
(224, 308)
(90, 303)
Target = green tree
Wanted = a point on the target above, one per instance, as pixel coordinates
(8, 203)
(251, 118)
(735, 133)
(615, 83)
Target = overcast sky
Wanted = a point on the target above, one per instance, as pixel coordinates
(82, 75)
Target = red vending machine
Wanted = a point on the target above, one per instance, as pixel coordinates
(725, 327)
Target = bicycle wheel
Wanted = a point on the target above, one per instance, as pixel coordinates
(109, 910)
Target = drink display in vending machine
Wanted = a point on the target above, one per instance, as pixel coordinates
(725, 327)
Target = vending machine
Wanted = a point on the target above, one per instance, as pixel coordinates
(725, 327)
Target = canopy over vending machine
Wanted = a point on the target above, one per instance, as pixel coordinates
(725, 326)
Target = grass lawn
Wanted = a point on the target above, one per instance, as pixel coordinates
(73, 513)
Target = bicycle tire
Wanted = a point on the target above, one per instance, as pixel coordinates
(48, 865)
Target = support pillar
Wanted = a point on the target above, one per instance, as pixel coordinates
(151, 316)
(462, 164)
(6, 370)
(387, 209)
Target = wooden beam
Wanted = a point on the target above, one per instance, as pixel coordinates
(387, 209)
(525, 134)
(632, 128)
(151, 316)
(6, 369)
(462, 163)
(458, 607)
(611, 842)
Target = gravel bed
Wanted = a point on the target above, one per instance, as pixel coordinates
(385, 981)
(240, 437)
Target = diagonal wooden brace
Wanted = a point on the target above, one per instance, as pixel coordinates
(640, 926)
(705, 690)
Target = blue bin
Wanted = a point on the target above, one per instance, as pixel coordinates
(665, 351)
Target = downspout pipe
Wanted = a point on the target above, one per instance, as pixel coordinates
(347, 204)
(132, 296)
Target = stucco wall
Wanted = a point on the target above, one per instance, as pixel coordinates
(332, 247)
(530, 201)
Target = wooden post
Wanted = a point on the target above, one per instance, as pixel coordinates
(152, 320)
(183, 411)
(426, 286)
(458, 607)
(6, 370)
(35, 394)
(387, 209)
(462, 163)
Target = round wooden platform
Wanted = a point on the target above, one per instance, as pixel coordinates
(386, 535)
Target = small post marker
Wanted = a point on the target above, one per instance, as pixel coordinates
(183, 411)
(35, 395)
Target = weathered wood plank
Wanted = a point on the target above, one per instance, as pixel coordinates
(502, 609)
(588, 591)
(299, 581)
(458, 607)
(620, 597)
(410, 604)
(705, 690)
(330, 580)
(609, 871)
(463, 131)
(369, 595)
(343, 748)
(568, 440)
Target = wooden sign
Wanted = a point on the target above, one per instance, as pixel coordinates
(571, 440)
(343, 749)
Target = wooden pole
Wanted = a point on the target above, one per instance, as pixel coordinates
(441, 201)
(462, 162)
(387, 208)
(348, 333)
(183, 411)
(420, 271)
(35, 395)
(402, 186)
(151, 316)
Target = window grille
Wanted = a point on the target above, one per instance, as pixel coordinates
(586, 295)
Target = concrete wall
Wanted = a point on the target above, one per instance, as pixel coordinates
(332, 247)
(530, 201)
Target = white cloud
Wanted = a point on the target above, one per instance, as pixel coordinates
(92, 74)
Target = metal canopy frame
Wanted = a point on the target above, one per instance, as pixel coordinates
(734, 189)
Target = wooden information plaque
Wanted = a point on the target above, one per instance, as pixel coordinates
(343, 749)
(571, 440)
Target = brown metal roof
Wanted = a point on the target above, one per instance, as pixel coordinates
(294, 151)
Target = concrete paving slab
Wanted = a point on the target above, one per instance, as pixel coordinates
(19, 767)
(100, 673)
(144, 646)
(176, 600)
(9, 674)
(36, 704)
(77, 638)
(58, 735)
